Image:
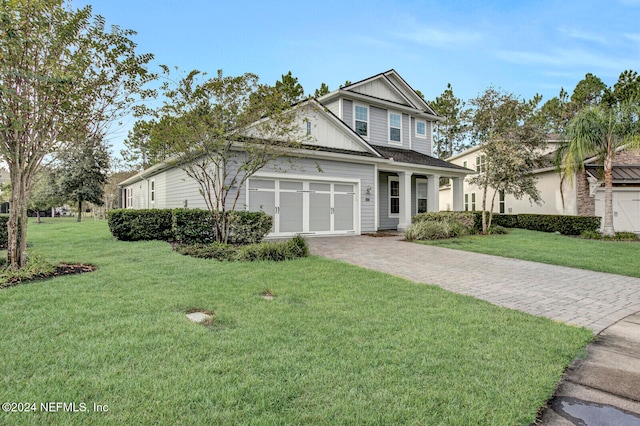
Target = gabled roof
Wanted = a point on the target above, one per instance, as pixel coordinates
(386, 88)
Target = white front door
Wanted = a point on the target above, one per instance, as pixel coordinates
(305, 207)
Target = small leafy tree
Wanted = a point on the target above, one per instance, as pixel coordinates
(63, 79)
(44, 194)
(82, 174)
(511, 142)
(450, 133)
(222, 130)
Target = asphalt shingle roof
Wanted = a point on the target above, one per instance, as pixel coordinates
(414, 157)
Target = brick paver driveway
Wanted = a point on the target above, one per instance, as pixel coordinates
(592, 299)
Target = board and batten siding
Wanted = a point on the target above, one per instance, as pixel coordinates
(334, 107)
(347, 112)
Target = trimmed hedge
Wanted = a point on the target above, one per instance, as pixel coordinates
(466, 219)
(196, 226)
(504, 220)
(136, 225)
(189, 226)
(567, 225)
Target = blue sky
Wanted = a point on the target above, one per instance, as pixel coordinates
(525, 47)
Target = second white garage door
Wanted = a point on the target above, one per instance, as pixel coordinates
(305, 207)
(626, 209)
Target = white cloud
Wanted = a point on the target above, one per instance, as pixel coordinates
(635, 37)
(438, 38)
(582, 35)
(570, 59)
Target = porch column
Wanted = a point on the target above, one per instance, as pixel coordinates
(458, 194)
(433, 193)
(405, 200)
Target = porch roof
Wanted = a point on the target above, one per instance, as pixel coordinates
(414, 157)
(621, 173)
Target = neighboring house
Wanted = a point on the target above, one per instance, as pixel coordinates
(369, 167)
(583, 196)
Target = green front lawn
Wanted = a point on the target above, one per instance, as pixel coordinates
(337, 345)
(616, 257)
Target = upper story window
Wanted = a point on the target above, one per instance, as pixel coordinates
(481, 163)
(395, 127)
(362, 120)
(308, 127)
(421, 128)
(153, 191)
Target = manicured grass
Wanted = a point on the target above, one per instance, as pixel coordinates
(616, 257)
(337, 345)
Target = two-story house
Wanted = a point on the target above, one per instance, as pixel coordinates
(369, 167)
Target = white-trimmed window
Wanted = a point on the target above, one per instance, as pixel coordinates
(308, 127)
(421, 195)
(394, 196)
(361, 115)
(466, 202)
(395, 128)
(464, 164)
(129, 193)
(421, 129)
(153, 191)
(502, 203)
(481, 163)
(473, 201)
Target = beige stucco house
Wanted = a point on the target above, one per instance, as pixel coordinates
(583, 195)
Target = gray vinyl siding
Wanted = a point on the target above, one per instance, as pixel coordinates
(347, 112)
(379, 128)
(406, 131)
(422, 145)
(386, 222)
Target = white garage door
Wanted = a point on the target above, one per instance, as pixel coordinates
(305, 207)
(626, 209)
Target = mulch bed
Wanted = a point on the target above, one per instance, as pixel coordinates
(59, 270)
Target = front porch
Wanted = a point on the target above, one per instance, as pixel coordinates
(403, 194)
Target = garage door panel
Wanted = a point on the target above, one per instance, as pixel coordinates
(319, 212)
(291, 212)
(343, 212)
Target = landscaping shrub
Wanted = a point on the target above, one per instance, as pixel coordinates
(249, 227)
(618, 236)
(193, 226)
(214, 250)
(504, 220)
(4, 232)
(624, 236)
(465, 219)
(497, 230)
(274, 251)
(136, 225)
(196, 226)
(567, 225)
(428, 230)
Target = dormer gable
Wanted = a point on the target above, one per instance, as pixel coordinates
(388, 89)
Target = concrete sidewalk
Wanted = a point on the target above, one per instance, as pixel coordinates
(602, 389)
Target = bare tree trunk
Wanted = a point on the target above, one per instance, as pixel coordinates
(38, 216)
(493, 201)
(608, 197)
(79, 211)
(484, 209)
(17, 224)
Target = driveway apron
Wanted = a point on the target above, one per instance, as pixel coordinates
(594, 300)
